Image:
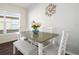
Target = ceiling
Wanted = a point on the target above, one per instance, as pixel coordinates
(24, 5)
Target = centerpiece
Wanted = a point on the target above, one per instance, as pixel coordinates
(35, 27)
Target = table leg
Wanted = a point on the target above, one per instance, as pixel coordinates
(40, 49)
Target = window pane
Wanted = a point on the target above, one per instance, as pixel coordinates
(12, 24)
(1, 24)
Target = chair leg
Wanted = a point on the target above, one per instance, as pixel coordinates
(53, 41)
(14, 50)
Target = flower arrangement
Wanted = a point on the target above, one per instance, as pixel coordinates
(35, 26)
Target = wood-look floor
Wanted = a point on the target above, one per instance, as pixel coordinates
(7, 49)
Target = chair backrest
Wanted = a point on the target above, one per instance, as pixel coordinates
(48, 29)
(19, 36)
(63, 41)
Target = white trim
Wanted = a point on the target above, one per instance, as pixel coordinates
(70, 53)
(4, 30)
(19, 22)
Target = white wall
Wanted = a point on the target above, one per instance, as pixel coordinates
(66, 18)
(23, 20)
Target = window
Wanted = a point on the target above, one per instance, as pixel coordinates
(9, 22)
(12, 24)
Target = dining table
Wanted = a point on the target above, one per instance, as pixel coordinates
(38, 38)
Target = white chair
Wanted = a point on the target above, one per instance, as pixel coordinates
(58, 50)
(24, 47)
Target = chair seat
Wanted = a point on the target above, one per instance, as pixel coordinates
(25, 48)
(51, 50)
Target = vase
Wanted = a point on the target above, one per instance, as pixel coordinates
(35, 31)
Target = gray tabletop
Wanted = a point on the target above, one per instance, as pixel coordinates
(40, 37)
